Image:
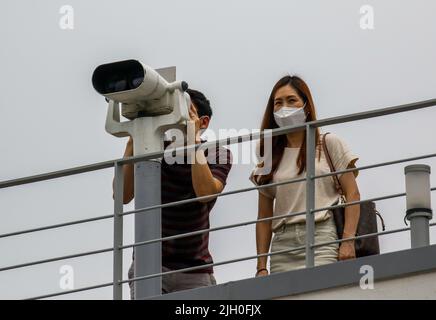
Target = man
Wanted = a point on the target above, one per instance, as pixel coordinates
(204, 176)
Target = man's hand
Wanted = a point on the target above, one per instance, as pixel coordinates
(195, 123)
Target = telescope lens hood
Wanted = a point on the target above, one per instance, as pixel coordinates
(118, 76)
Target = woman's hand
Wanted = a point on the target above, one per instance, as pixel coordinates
(347, 250)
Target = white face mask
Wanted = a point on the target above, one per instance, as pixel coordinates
(288, 116)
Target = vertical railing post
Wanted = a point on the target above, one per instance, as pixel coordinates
(418, 198)
(310, 194)
(118, 232)
(148, 226)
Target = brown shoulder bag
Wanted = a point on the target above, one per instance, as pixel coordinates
(367, 220)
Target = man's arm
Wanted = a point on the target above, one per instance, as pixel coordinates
(128, 170)
(203, 181)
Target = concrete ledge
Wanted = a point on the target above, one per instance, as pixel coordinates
(343, 273)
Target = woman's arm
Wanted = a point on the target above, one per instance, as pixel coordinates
(263, 231)
(352, 214)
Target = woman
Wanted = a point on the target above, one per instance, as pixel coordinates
(291, 103)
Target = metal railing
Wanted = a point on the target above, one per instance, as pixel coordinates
(118, 213)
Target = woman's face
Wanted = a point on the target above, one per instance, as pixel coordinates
(287, 96)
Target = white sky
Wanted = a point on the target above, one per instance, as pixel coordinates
(233, 51)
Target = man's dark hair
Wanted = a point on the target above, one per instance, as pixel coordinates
(201, 102)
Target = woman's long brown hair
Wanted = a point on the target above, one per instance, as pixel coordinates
(279, 142)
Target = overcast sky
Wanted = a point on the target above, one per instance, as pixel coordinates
(233, 51)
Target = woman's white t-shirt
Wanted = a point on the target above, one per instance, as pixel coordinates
(291, 197)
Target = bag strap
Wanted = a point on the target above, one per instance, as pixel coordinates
(336, 179)
(332, 167)
(381, 218)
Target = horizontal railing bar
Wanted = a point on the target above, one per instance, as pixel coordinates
(368, 235)
(71, 291)
(256, 256)
(172, 237)
(352, 203)
(211, 265)
(381, 164)
(57, 174)
(374, 113)
(175, 203)
(293, 128)
(200, 232)
(292, 214)
(153, 276)
(54, 226)
(226, 193)
(219, 263)
(225, 141)
(77, 255)
(134, 211)
(215, 195)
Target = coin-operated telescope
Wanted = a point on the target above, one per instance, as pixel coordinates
(151, 103)
(154, 102)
